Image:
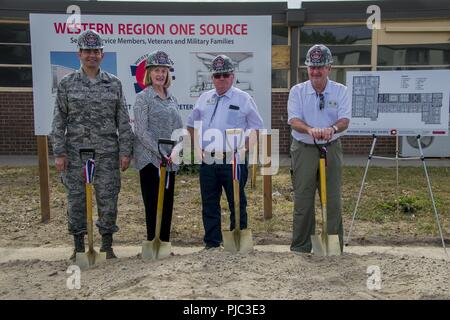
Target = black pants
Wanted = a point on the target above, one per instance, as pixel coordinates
(149, 177)
(214, 177)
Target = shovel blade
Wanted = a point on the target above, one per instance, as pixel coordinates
(81, 260)
(246, 241)
(326, 246)
(238, 241)
(229, 241)
(89, 258)
(156, 249)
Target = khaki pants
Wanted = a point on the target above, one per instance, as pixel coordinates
(305, 180)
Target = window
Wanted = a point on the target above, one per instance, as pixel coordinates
(15, 77)
(280, 35)
(339, 35)
(413, 68)
(14, 33)
(337, 74)
(414, 55)
(280, 57)
(15, 55)
(280, 79)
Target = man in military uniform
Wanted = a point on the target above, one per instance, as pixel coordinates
(90, 112)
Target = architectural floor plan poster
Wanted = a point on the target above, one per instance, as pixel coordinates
(406, 103)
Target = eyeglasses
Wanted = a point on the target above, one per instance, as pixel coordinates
(88, 52)
(322, 101)
(224, 75)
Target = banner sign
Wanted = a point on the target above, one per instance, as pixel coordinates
(190, 41)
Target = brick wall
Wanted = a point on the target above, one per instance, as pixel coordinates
(362, 144)
(279, 119)
(17, 124)
(17, 127)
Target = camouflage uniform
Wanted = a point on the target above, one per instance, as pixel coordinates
(92, 114)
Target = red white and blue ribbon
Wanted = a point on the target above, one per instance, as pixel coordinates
(89, 170)
(167, 180)
(236, 169)
(169, 165)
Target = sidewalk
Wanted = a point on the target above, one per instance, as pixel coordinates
(349, 160)
(62, 253)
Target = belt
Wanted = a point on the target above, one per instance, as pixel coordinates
(320, 144)
(218, 155)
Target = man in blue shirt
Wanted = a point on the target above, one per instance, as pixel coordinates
(219, 109)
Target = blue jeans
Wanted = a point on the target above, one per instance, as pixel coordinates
(212, 178)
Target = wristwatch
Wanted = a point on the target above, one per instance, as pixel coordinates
(335, 128)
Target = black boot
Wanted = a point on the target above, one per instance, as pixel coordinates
(107, 240)
(79, 245)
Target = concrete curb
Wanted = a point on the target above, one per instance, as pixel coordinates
(62, 253)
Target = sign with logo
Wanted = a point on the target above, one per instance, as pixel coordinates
(190, 42)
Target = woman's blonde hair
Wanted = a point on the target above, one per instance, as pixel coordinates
(148, 78)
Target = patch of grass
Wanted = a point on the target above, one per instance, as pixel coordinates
(189, 169)
(377, 210)
(427, 227)
(381, 196)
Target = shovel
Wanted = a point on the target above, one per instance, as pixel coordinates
(91, 257)
(324, 244)
(237, 240)
(157, 249)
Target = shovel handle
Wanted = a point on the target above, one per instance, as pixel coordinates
(235, 132)
(322, 149)
(90, 222)
(159, 206)
(237, 205)
(323, 198)
(169, 142)
(323, 182)
(87, 150)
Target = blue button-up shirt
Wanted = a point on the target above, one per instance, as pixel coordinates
(235, 109)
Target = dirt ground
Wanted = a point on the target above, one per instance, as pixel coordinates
(216, 274)
(195, 274)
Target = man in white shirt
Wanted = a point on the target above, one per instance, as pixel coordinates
(318, 110)
(222, 108)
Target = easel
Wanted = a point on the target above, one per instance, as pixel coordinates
(422, 158)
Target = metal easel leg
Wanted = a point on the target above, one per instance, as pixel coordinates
(361, 189)
(397, 194)
(432, 197)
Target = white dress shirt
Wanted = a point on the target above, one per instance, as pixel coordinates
(304, 102)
